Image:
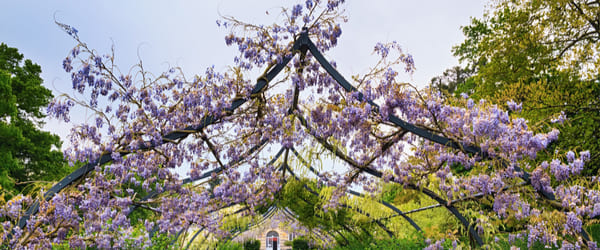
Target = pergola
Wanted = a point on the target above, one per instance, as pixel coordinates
(301, 46)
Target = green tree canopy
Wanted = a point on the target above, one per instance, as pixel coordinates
(26, 153)
(543, 54)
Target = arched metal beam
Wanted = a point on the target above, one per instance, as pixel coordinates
(320, 227)
(202, 228)
(155, 228)
(378, 174)
(310, 190)
(421, 132)
(303, 43)
(388, 205)
(286, 212)
(187, 246)
(209, 173)
(267, 215)
(282, 168)
(441, 201)
(173, 136)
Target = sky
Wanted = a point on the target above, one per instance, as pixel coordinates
(184, 33)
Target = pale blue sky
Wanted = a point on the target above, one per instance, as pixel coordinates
(184, 33)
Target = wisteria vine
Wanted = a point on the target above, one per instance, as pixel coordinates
(302, 107)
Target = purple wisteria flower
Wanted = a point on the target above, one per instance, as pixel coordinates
(560, 119)
(514, 106)
(573, 223)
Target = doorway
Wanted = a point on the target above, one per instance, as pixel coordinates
(272, 240)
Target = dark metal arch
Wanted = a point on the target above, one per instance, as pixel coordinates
(388, 205)
(358, 210)
(423, 133)
(378, 174)
(318, 216)
(104, 158)
(267, 215)
(187, 246)
(302, 44)
(209, 173)
(285, 167)
(290, 215)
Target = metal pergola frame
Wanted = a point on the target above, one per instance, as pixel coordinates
(285, 167)
(302, 44)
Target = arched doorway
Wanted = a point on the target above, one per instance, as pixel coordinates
(272, 240)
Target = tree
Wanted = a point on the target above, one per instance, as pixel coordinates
(27, 154)
(543, 54)
(524, 40)
(531, 40)
(452, 78)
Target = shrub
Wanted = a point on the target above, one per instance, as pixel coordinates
(230, 246)
(300, 244)
(252, 244)
(412, 241)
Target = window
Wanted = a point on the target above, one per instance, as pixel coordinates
(291, 236)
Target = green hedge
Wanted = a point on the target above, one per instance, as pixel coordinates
(252, 245)
(300, 244)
